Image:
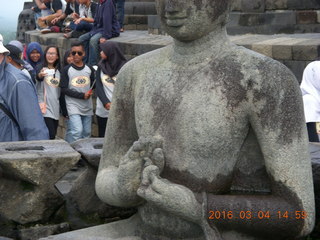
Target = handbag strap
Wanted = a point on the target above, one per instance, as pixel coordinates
(9, 114)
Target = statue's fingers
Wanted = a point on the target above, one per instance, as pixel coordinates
(147, 162)
(157, 142)
(158, 158)
(148, 174)
(159, 185)
(149, 195)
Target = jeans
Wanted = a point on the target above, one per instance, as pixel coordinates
(82, 26)
(120, 11)
(78, 127)
(91, 45)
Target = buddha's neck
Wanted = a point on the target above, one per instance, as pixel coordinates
(210, 45)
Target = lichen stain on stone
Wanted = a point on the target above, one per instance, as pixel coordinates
(286, 114)
(219, 8)
(227, 75)
(199, 4)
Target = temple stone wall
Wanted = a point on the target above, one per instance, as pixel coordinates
(266, 17)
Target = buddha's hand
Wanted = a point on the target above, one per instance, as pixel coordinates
(143, 152)
(173, 198)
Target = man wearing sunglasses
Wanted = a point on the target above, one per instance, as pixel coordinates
(76, 83)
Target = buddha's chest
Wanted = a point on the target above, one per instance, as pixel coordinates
(199, 103)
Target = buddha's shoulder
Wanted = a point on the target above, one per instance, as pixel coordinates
(149, 60)
(257, 67)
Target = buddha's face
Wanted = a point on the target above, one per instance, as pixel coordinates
(188, 20)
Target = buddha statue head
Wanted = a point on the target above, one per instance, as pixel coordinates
(188, 20)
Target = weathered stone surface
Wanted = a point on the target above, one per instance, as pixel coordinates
(253, 6)
(29, 171)
(90, 150)
(175, 159)
(296, 67)
(26, 22)
(306, 17)
(34, 233)
(315, 159)
(83, 205)
(276, 4)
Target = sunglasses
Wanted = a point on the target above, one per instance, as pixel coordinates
(79, 53)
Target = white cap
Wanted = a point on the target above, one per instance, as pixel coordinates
(2, 48)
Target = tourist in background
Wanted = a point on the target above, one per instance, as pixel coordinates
(72, 8)
(112, 59)
(82, 22)
(50, 9)
(26, 65)
(76, 83)
(48, 90)
(105, 26)
(20, 116)
(310, 88)
(34, 57)
(120, 13)
(14, 58)
(67, 58)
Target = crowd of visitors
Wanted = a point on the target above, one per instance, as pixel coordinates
(35, 90)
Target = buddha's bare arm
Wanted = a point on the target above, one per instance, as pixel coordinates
(121, 163)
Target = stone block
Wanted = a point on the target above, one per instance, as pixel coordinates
(251, 19)
(253, 6)
(140, 8)
(82, 200)
(305, 52)
(90, 150)
(276, 4)
(306, 17)
(263, 49)
(296, 67)
(236, 5)
(28, 172)
(281, 18)
(37, 232)
(234, 19)
(154, 22)
(318, 16)
(282, 52)
(303, 5)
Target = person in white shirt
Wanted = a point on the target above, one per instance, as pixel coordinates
(310, 88)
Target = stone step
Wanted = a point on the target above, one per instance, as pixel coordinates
(136, 19)
(269, 22)
(140, 8)
(264, 5)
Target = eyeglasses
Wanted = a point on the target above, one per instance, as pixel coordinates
(79, 53)
(51, 53)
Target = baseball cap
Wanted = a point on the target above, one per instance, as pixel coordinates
(17, 43)
(15, 54)
(2, 48)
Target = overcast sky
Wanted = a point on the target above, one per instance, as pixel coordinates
(9, 12)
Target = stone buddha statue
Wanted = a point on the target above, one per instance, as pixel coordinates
(179, 121)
